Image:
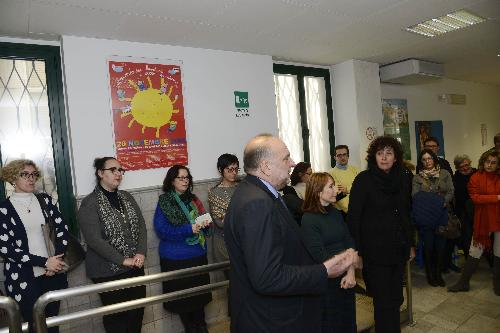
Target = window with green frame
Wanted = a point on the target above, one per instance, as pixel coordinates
(32, 119)
(305, 115)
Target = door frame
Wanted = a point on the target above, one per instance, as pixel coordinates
(51, 55)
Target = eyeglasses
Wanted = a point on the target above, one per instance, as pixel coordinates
(430, 146)
(233, 170)
(427, 159)
(463, 166)
(182, 178)
(26, 175)
(342, 155)
(116, 171)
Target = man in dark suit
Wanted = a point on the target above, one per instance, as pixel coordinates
(274, 284)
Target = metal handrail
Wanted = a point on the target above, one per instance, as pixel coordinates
(41, 323)
(13, 315)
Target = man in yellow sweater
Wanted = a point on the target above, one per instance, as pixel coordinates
(344, 175)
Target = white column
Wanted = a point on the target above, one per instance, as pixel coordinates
(357, 107)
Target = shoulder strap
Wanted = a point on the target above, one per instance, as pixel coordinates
(45, 208)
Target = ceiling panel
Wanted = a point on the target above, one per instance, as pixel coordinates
(198, 10)
(73, 21)
(357, 8)
(122, 6)
(14, 24)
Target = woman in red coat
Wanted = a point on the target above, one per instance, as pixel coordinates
(484, 190)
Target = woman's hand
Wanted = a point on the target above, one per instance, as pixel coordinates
(55, 263)
(196, 228)
(128, 262)
(139, 260)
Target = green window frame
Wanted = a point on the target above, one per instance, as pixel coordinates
(51, 55)
(300, 72)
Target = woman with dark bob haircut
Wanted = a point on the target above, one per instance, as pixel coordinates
(380, 218)
(183, 244)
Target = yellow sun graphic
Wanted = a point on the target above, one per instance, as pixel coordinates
(151, 107)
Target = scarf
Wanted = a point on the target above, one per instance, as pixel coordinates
(181, 210)
(341, 167)
(115, 220)
(390, 182)
(432, 173)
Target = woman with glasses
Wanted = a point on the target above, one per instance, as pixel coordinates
(28, 269)
(294, 195)
(181, 225)
(432, 193)
(484, 190)
(114, 230)
(218, 200)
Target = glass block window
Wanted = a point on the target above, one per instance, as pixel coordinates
(319, 145)
(287, 105)
(305, 116)
(24, 119)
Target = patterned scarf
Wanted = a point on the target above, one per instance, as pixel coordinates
(179, 212)
(432, 173)
(115, 220)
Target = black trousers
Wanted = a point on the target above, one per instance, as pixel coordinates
(385, 283)
(127, 321)
(40, 286)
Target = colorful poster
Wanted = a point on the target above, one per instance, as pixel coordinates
(396, 123)
(148, 114)
(425, 129)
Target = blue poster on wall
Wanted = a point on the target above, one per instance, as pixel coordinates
(426, 129)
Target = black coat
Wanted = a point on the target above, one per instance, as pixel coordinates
(275, 286)
(380, 220)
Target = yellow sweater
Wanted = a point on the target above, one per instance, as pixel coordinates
(344, 177)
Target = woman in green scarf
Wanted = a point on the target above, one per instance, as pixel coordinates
(183, 244)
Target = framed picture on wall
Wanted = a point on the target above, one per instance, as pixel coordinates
(148, 113)
(396, 124)
(425, 129)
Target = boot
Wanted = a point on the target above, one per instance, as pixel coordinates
(496, 275)
(440, 262)
(429, 269)
(462, 284)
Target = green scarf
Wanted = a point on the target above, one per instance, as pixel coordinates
(177, 213)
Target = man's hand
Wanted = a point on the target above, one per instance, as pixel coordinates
(342, 188)
(339, 263)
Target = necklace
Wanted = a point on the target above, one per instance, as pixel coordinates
(28, 207)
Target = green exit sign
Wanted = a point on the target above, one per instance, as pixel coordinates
(241, 99)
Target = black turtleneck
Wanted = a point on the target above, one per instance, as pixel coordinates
(112, 197)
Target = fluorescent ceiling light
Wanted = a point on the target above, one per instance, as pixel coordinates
(449, 22)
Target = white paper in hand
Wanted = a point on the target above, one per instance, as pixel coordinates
(203, 220)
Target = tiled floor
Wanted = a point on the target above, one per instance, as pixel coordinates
(438, 311)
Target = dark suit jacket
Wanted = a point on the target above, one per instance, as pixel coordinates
(274, 284)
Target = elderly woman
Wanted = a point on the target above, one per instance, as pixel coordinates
(379, 214)
(183, 244)
(29, 271)
(484, 190)
(114, 230)
(464, 208)
(218, 200)
(325, 234)
(294, 195)
(433, 193)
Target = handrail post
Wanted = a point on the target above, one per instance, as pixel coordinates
(409, 297)
(12, 308)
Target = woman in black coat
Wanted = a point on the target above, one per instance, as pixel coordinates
(379, 214)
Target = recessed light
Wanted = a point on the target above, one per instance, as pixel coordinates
(446, 23)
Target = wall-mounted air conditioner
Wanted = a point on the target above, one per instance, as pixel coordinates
(411, 71)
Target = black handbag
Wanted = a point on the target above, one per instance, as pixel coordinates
(74, 254)
(453, 229)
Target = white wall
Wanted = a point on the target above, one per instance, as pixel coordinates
(209, 79)
(461, 123)
(356, 106)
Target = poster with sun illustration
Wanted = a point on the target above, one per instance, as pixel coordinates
(148, 114)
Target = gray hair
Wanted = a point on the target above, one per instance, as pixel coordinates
(459, 159)
(256, 150)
